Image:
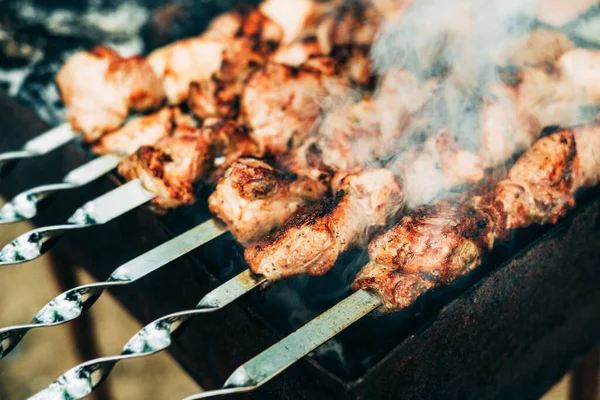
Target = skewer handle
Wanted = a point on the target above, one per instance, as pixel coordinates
(36, 242)
(153, 338)
(295, 346)
(24, 206)
(40, 145)
(72, 303)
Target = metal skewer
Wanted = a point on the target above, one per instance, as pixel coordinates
(295, 346)
(72, 303)
(40, 145)
(81, 380)
(36, 242)
(25, 205)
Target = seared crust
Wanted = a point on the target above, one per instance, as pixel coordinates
(99, 88)
(281, 104)
(310, 243)
(243, 52)
(436, 244)
(254, 198)
(172, 166)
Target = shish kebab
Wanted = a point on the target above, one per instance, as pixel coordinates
(272, 208)
(224, 88)
(100, 88)
(112, 148)
(174, 164)
(30, 245)
(142, 197)
(207, 238)
(436, 244)
(274, 131)
(160, 334)
(221, 87)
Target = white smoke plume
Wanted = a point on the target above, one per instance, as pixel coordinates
(454, 48)
(459, 39)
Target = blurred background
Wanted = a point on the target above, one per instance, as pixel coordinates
(35, 38)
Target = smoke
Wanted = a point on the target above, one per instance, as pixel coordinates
(453, 48)
(461, 35)
(458, 40)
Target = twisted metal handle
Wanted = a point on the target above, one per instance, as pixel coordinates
(158, 335)
(40, 145)
(36, 242)
(72, 303)
(25, 205)
(63, 308)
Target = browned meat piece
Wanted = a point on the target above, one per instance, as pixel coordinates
(231, 142)
(364, 203)
(351, 24)
(242, 54)
(186, 61)
(139, 132)
(253, 198)
(293, 16)
(345, 34)
(219, 96)
(438, 243)
(541, 185)
(229, 45)
(247, 23)
(171, 167)
(307, 160)
(281, 104)
(540, 48)
(100, 88)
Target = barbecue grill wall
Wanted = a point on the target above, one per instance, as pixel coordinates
(511, 335)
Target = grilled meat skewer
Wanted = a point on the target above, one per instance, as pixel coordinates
(437, 243)
(313, 241)
(348, 136)
(170, 167)
(410, 264)
(100, 87)
(274, 95)
(113, 147)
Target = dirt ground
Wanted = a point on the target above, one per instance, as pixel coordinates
(44, 354)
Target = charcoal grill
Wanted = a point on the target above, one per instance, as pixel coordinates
(509, 331)
(529, 317)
